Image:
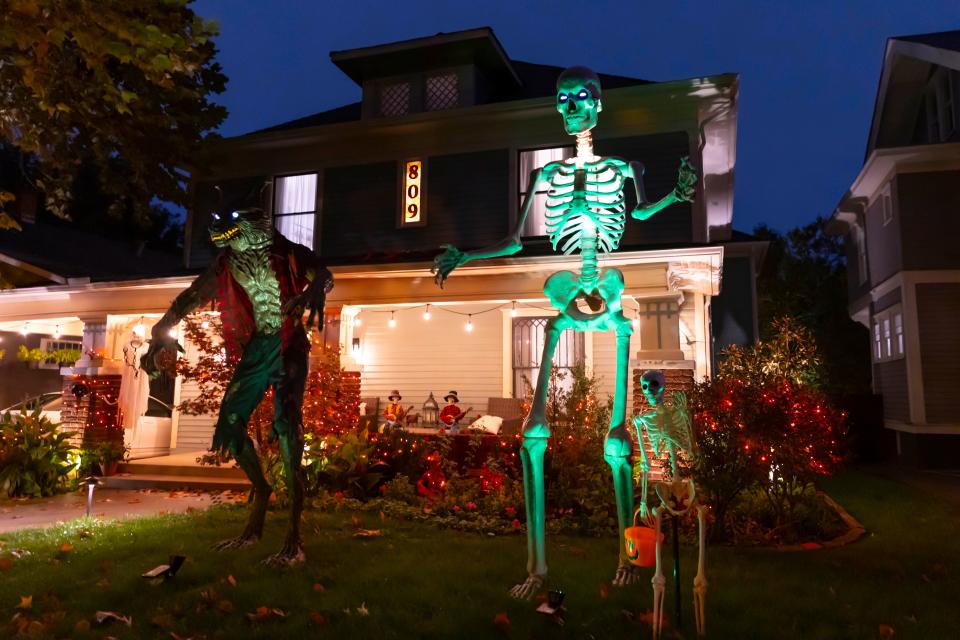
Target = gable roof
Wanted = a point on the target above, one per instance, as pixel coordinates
(907, 61)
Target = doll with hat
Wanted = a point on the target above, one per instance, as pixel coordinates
(451, 414)
(394, 413)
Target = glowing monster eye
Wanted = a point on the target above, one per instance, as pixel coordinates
(562, 97)
(582, 95)
(216, 217)
(234, 215)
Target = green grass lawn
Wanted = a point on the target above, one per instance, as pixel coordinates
(416, 581)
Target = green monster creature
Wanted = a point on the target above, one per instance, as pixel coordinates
(585, 213)
(263, 283)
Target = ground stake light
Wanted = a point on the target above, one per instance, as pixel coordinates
(585, 213)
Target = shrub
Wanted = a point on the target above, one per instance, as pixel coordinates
(35, 458)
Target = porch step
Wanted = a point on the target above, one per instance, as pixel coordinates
(173, 482)
(208, 471)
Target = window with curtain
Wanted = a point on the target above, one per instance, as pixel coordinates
(529, 334)
(536, 224)
(295, 208)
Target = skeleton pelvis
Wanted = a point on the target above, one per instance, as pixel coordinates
(563, 289)
(678, 497)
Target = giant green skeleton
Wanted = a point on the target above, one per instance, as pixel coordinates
(585, 213)
(263, 283)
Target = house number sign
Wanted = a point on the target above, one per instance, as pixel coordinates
(412, 190)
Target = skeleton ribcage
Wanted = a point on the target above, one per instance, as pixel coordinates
(583, 204)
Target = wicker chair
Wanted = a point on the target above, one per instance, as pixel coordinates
(511, 410)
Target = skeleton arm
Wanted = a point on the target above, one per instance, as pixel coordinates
(451, 258)
(639, 423)
(683, 192)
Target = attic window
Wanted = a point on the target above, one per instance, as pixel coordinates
(443, 92)
(395, 99)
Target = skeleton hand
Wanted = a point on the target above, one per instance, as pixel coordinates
(646, 516)
(686, 181)
(162, 353)
(446, 262)
(313, 299)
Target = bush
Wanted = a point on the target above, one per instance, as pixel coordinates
(35, 458)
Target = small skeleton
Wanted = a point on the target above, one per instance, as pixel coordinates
(586, 213)
(670, 433)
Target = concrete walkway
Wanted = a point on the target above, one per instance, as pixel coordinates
(107, 504)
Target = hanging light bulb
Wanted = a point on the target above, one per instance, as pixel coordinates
(426, 314)
(513, 309)
(26, 329)
(393, 321)
(636, 320)
(56, 332)
(469, 325)
(357, 321)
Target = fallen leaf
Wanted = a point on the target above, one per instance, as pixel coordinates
(232, 580)
(367, 533)
(162, 620)
(5, 563)
(319, 619)
(319, 588)
(355, 521)
(604, 590)
(502, 622)
(82, 626)
(225, 606)
(383, 517)
(362, 610)
(102, 617)
(174, 636)
(887, 632)
(26, 602)
(264, 614)
(66, 547)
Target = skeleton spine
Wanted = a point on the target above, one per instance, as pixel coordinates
(588, 260)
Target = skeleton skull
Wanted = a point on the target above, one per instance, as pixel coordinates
(578, 99)
(653, 383)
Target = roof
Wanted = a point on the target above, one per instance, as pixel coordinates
(536, 81)
(940, 39)
(63, 250)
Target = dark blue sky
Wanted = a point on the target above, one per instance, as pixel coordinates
(809, 70)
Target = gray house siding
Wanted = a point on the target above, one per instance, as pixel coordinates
(883, 241)
(855, 288)
(887, 300)
(929, 204)
(938, 310)
(890, 379)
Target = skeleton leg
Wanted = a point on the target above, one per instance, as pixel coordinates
(288, 426)
(617, 448)
(535, 434)
(659, 582)
(700, 581)
(250, 381)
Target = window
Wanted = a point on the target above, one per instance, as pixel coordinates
(536, 224)
(860, 239)
(940, 99)
(659, 325)
(443, 92)
(888, 340)
(529, 335)
(395, 99)
(49, 346)
(296, 207)
(887, 205)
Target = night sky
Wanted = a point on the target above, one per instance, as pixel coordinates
(809, 70)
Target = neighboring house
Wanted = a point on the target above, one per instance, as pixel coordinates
(901, 223)
(437, 151)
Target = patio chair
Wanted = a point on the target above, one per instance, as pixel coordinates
(370, 420)
(510, 410)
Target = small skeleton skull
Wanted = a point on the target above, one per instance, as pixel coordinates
(578, 99)
(652, 383)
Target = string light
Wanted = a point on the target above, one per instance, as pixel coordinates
(357, 321)
(469, 326)
(513, 309)
(393, 321)
(426, 314)
(636, 320)
(56, 332)
(26, 329)
(139, 329)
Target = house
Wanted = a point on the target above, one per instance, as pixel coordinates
(900, 220)
(437, 151)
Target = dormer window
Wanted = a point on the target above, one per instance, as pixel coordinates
(940, 103)
(395, 99)
(443, 92)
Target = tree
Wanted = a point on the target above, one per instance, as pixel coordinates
(120, 87)
(804, 277)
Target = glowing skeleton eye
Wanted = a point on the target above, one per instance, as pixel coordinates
(234, 215)
(562, 97)
(582, 95)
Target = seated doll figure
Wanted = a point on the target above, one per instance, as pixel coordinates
(451, 415)
(394, 413)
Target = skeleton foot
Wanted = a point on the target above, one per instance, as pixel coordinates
(244, 540)
(659, 587)
(528, 588)
(699, 599)
(626, 574)
(291, 555)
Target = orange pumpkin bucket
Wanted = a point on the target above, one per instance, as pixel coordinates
(641, 544)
